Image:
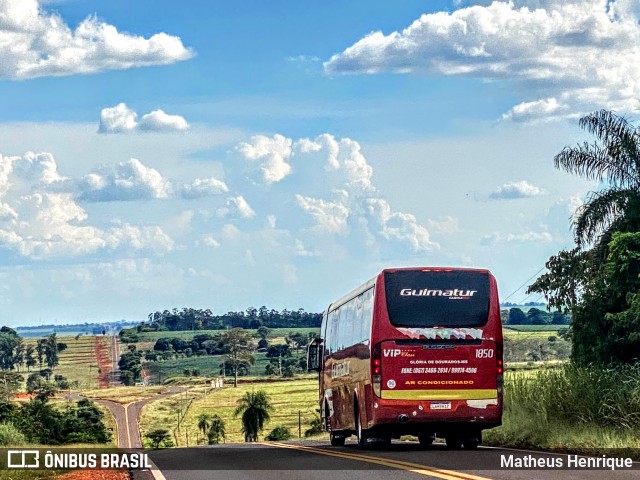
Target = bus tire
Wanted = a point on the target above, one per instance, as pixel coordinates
(336, 441)
(454, 443)
(471, 444)
(425, 440)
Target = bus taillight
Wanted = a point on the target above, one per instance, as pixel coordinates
(376, 369)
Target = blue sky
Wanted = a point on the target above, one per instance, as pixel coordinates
(235, 153)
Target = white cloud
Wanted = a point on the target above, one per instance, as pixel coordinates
(513, 190)
(273, 153)
(36, 43)
(126, 181)
(449, 225)
(158, 120)
(210, 241)
(122, 119)
(117, 119)
(40, 220)
(528, 237)
(400, 226)
(572, 57)
(329, 216)
(338, 194)
(547, 108)
(240, 206)
(204, 187)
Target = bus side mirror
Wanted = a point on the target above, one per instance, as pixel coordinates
(314, 355)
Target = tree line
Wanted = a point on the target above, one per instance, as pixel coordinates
(534, 316)
(204, 319)
(15, 354)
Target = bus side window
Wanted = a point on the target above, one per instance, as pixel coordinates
(358, 319)
(367, 314)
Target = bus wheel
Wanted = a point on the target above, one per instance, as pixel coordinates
(471, 444)
(361, 434)
(425, 440)
(453, 443)
(336, 441)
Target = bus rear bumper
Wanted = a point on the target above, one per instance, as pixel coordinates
(411, 417)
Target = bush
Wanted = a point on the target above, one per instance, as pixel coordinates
(10, 435)
(279, 433)
(315, 427)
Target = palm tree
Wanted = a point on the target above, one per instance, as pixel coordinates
(254, 408)
(614, 160)
(204, 423)
(216, 430)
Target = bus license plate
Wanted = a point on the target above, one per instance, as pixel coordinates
(440, 405)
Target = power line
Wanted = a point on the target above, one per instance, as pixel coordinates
(528, 280)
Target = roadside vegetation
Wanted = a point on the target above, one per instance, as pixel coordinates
(577, 408)
(594, 401)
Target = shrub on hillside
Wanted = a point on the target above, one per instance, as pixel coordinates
(10, 435)
(279, 433)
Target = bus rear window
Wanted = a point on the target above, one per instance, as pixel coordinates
(417, 298)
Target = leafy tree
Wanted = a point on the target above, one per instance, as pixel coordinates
(51, 351)
(126, 377)
(535, 316)
(40, 422)
(84, 424)
(159, 436)
(517, 317)
(254, 408)
(559, 318)
(263, 332)
(237, 343)
(216, 430)
(42, 388)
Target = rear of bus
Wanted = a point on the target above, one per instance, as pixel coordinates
(436, 355)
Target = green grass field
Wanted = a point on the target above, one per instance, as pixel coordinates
(289, 399)
(534, 328)
(207, 366)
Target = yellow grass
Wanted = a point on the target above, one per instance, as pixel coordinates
(125, 394)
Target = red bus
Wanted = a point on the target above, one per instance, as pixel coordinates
(413, 351)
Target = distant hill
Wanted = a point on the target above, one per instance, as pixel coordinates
(73, 329)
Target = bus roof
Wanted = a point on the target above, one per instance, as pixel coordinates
(367, 285)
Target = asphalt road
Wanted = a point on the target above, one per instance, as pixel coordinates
(127, 417)
(316, 460)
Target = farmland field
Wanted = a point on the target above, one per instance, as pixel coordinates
(208, 365)
(189, 334)
(535, 328)
(289, 398)
(78, 362)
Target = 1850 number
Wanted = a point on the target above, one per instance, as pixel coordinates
(484, 353)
